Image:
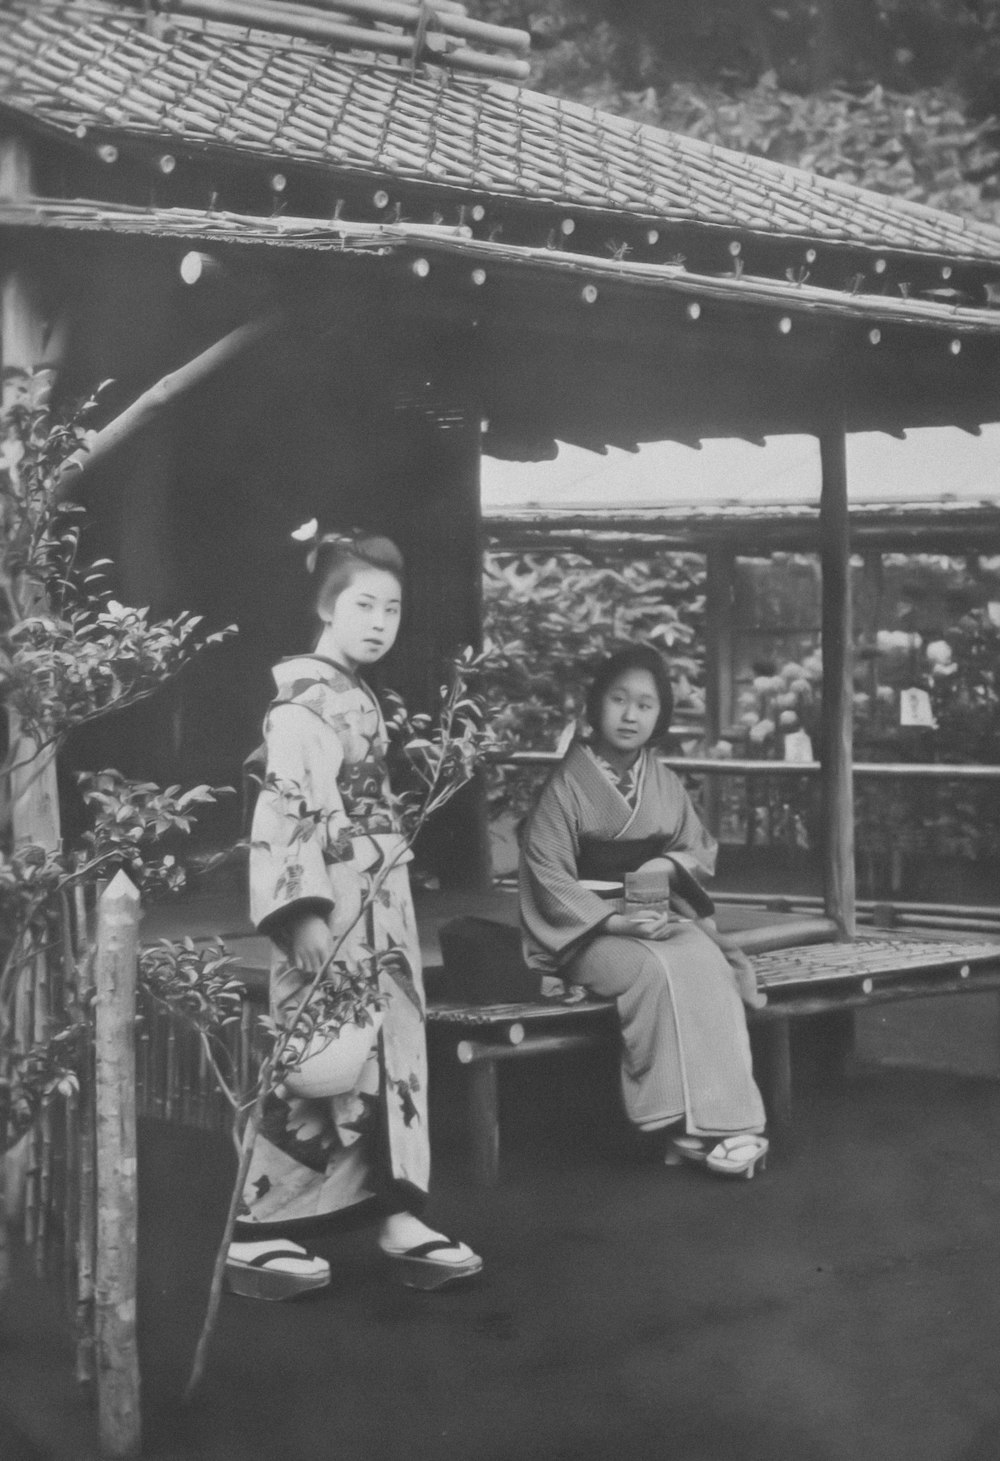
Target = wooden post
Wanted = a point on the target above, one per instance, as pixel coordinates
(837, 728)
(34, 798)
(443, 543)
(484, 1122)
(116, 1266)
(720, 565)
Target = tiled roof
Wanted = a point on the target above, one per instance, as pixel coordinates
(209, 86)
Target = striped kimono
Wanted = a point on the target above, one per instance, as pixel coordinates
(685, 1049)
(326, 744)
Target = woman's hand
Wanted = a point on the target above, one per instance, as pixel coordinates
(643, 925)
(311, 943)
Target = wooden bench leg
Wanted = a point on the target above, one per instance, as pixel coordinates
(780, 1072)
(484, 1122)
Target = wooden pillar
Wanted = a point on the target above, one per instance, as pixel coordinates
(720, 566)
(34, 798)
(445, 569)
(115, 1275)
(484, 1122)
(837, 728)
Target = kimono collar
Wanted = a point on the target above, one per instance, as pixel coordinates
(293, 674)
(582, 767)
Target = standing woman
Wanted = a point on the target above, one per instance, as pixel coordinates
(610, 808)
(367, 1149)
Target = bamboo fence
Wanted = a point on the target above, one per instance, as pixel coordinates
(70, 1189)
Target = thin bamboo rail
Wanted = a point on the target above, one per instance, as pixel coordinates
(710, 766)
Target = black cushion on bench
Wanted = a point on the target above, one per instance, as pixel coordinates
(483, 964)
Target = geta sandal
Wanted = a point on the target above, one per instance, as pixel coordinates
(733, 1156)
(274, 1270)
(416, 1268)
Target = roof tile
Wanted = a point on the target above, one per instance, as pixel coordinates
(282, 98)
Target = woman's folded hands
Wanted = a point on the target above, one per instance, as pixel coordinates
(643, 925)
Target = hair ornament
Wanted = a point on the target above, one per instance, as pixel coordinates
(309, 534)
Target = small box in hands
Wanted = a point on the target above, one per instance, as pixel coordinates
(647, 891)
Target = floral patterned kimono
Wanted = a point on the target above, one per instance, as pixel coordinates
(685, 1049)
(326, 744)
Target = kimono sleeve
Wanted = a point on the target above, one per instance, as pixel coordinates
(288, 873)
(689, 844)
(556, 912)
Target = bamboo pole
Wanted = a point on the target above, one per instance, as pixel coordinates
(397, 12)
(44, 1186)
(71, 1198)
(34, 796)
(86, 1233)
(292, 20)
(119, 1419)
(720, 567)
(837, 721)
(147, 407)
(863, 770)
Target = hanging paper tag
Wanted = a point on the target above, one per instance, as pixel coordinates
(915, 708)
(993, 613)
(798, 746)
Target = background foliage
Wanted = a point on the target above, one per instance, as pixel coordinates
(896, 95)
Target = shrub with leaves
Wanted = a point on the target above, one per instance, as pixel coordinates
(551, 619)
(69, 653)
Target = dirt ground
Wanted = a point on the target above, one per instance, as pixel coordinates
(842, 1306)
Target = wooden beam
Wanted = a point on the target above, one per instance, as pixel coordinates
(159, 397)
(837, 725)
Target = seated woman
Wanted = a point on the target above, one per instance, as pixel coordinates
(610, 808)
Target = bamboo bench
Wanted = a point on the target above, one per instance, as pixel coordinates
(800, 981)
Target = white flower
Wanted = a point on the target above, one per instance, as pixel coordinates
(760, 732)
(939, 652)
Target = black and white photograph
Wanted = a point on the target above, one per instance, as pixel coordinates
(500, 736)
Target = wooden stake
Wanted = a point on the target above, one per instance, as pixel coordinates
(837, 727)
(119, 1418)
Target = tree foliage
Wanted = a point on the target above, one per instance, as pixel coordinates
(895, 95)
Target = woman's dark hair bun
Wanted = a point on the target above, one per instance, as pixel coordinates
(371, 549)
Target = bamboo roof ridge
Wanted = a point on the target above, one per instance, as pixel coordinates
(101, 73)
